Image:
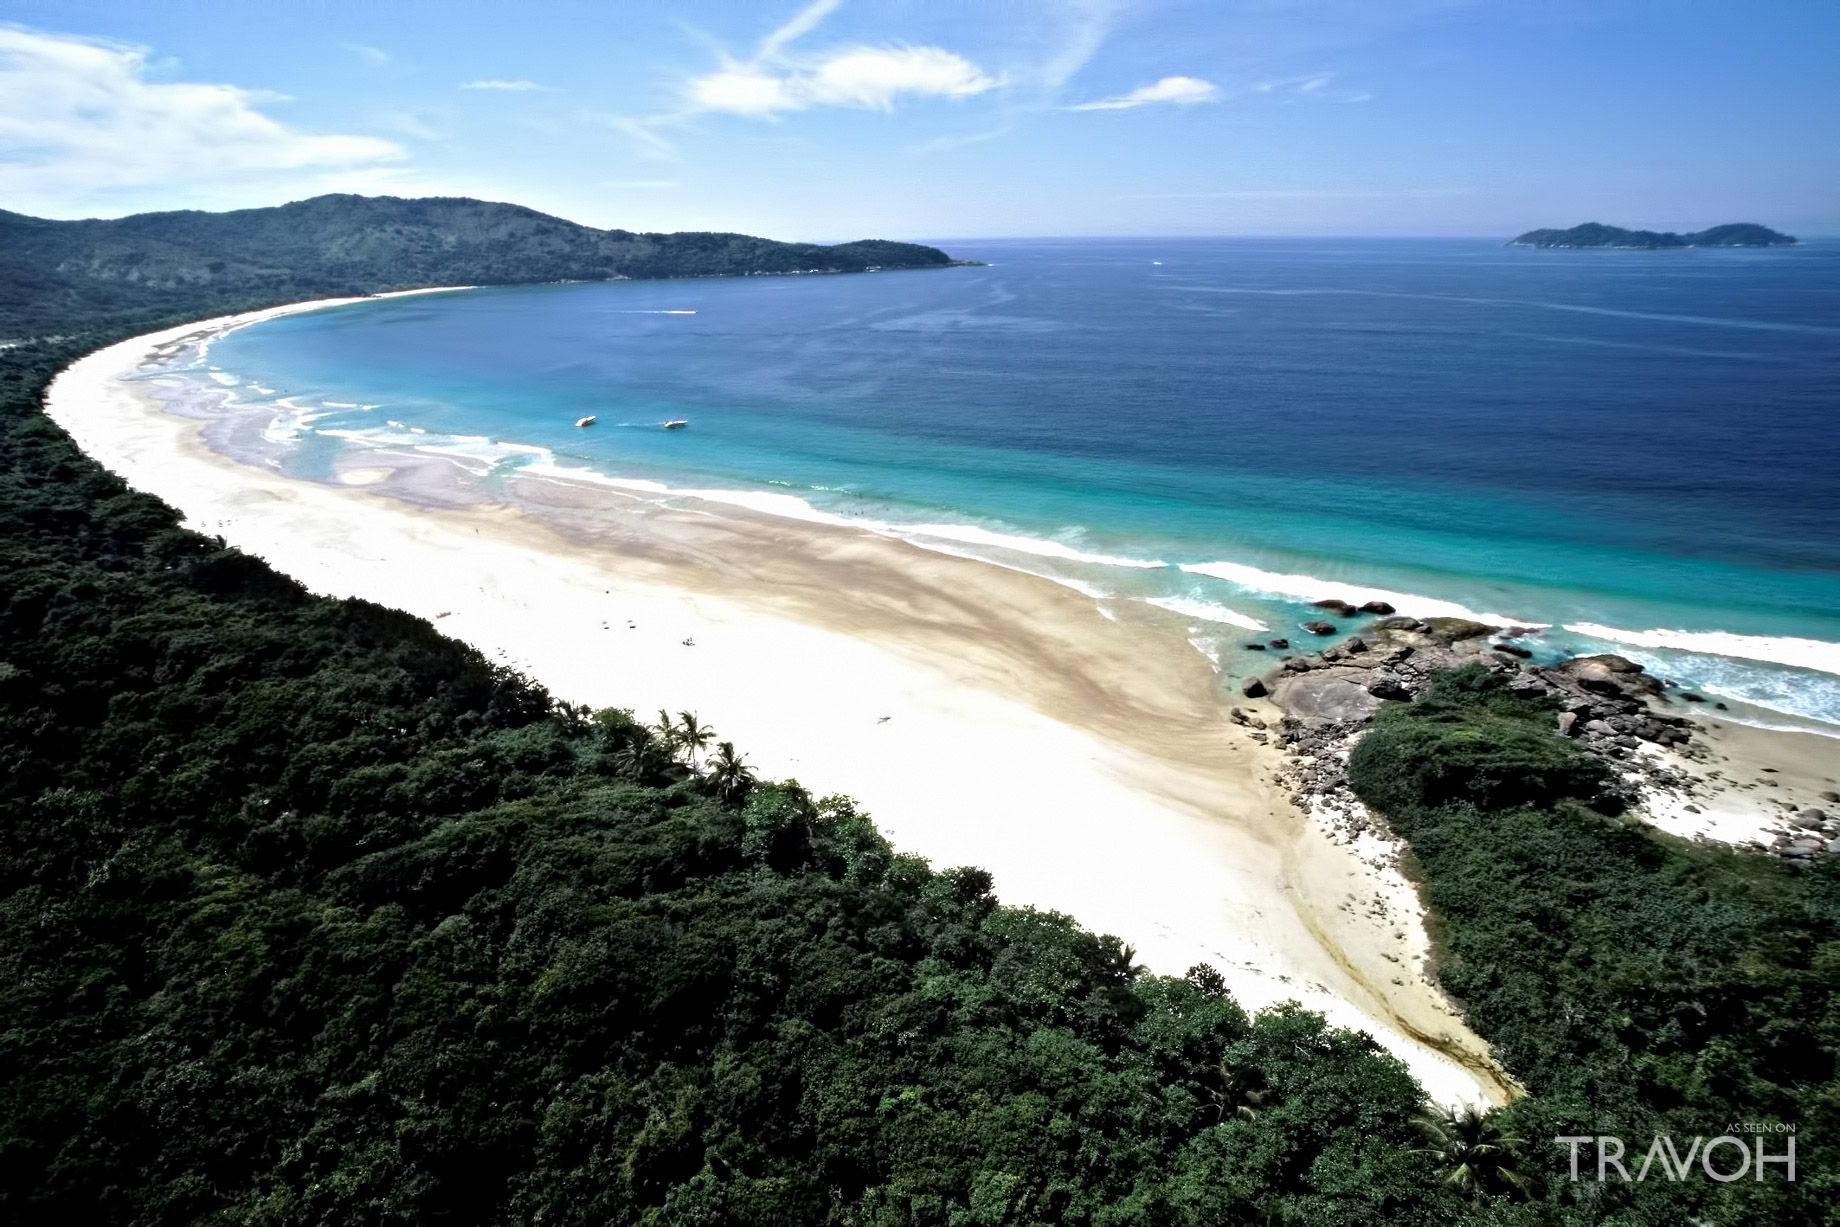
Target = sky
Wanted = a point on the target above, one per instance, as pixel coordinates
(840, 119)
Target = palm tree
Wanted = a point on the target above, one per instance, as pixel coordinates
(667, 731)
(1483, 1161)
(574, 720)
(1243, 1092)
(728, 774)
(642, 758)
(692, 735)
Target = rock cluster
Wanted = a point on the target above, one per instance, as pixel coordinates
(1328, 698)
(1811, 832)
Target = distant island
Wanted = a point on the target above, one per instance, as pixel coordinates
(1594, 234)
(59, 275)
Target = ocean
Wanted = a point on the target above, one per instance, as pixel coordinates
(1623, 451)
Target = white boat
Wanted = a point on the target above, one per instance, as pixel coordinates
(587, 421)
(677, 423)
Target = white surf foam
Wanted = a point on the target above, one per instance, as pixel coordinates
(970, 534)
(1310, 588)
(1207, 611)
(1779, 650)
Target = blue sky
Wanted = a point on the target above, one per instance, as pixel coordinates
(940, 118)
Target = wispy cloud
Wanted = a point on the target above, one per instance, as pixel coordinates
(1309, 86)
(1089, 23)
(801, 23)
(645, 134)
(78, 115)
(642, 185)
(511, 86)
(1035, 83)
(376, 57)
(1177, 91)
(421, 124)
(1186, 91)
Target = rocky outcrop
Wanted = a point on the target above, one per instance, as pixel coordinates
(1612, 676)
(1609, 705)
(1333, 695)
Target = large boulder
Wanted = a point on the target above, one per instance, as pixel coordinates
(1455, 630)
(1325, 695)
(1615, 676)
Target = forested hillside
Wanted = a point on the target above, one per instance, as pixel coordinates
(60, 274)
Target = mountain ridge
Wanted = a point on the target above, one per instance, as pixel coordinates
(148, 263)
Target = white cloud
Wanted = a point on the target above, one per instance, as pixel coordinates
(772, 82)
(875, 76)
(872, 78)
(642, 185)
(77, 116)
(1181, 91)
(742, 91)
(515, 86)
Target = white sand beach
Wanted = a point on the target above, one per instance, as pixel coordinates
(981, 715)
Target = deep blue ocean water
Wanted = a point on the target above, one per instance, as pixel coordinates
(1640, 449)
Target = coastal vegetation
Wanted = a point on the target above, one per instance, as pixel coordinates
(1595, 234)
(1638, 985)
(310, 914)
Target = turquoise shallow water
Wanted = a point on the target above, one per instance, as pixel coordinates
(1636, 449)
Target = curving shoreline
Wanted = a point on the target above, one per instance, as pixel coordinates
(1090, 773)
